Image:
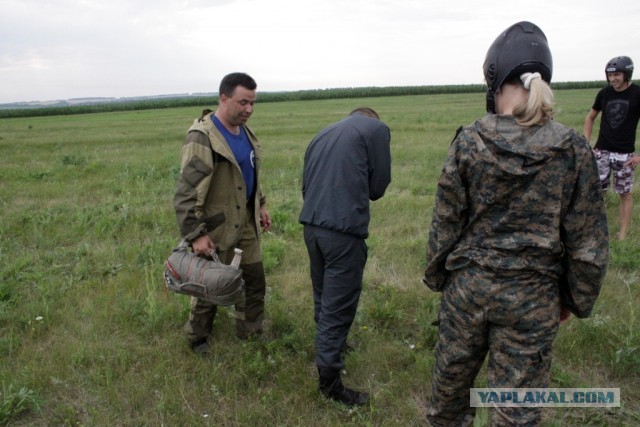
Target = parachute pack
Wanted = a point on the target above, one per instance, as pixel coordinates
(208, 279)
(205, 278)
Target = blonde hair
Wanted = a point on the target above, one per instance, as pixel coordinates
(538, 108)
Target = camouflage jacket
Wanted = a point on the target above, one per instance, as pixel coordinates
(211, 184)
(525, 199)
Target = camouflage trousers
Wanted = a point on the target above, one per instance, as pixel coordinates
(512, 317)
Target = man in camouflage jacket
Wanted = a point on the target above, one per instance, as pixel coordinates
(216, 180)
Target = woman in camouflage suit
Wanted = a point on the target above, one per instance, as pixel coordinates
(518, 239)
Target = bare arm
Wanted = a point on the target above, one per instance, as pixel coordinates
(588, 123)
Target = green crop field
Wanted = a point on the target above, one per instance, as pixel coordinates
(89, 336)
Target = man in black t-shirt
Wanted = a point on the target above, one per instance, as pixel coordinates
(619, 103)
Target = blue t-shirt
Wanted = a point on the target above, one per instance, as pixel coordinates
(243, 152)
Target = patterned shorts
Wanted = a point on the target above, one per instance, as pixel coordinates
(613, 163)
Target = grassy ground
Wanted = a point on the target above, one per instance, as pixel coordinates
(89, 336)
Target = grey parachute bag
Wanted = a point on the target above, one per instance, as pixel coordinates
(208, 279)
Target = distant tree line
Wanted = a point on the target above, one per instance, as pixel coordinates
(300, 95)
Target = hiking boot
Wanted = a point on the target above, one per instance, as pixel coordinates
(200, 346)
(331, 387)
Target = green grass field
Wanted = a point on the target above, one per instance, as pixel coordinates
(89, 336)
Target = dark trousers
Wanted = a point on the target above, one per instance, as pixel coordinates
(337, 262)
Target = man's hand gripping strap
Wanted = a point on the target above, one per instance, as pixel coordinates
(210, 280)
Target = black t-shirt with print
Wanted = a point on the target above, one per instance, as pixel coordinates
(620, 115)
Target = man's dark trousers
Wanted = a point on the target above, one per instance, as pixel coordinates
(337, 262)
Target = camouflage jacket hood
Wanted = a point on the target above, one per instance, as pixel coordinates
(515, 150)
(520, 199)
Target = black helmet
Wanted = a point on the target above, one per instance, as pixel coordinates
(521, 48)
(620, 64)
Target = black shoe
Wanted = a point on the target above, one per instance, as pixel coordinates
(348, 397)
(331, 387)
(200, 346)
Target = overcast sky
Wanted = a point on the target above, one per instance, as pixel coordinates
(60, 49)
